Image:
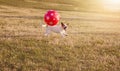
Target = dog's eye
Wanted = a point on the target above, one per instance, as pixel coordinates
(65, 27)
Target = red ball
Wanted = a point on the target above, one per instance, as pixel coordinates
(51, 18)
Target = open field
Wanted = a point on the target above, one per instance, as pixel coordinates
(93, 43)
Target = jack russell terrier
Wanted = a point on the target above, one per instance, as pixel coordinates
(57, 29)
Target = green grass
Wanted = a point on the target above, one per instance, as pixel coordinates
(92, 44)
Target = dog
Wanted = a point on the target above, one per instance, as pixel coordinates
(57, 29)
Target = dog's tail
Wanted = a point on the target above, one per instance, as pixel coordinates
(43, 25)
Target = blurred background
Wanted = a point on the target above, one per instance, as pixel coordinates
(103, 6)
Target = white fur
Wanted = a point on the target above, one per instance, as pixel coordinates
(56, 29)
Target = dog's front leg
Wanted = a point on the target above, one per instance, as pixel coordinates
(62, 34)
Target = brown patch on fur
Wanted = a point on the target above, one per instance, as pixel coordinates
(63, 25)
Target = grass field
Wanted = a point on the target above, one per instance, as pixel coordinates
(92, 44)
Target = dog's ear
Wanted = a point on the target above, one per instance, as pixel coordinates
(62, 23)
(64, 26)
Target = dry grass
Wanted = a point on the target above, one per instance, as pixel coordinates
(93, 43)
(87, 48)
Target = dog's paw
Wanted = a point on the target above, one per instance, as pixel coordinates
(66, 34)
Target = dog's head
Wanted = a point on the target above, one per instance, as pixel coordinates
(64, 26)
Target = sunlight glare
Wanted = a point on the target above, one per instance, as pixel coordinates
(113, 5)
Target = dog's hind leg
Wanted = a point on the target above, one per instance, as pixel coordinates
(47, 32)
